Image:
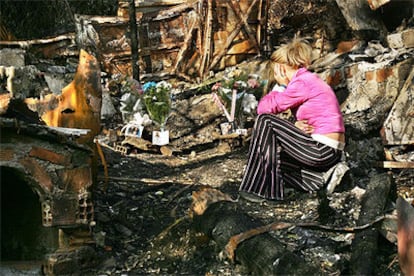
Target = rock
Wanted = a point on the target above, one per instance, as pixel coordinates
(123, 230)
(404, 39)
(108, 110)
(12, 57)
(55, 77)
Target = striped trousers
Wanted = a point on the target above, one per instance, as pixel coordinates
(281, 154)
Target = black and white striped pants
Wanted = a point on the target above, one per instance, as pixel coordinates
(281, 154)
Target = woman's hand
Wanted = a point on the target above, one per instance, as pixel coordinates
(304, 126)
(280, 74)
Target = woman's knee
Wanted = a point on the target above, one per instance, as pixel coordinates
(264, 121)
(265, 116)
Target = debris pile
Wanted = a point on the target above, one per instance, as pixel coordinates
(145, 189)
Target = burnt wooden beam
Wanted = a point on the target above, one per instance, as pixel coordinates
(31, 42)
(360, 17)
(41, 132)
(48, 47)
(395, 165)
(231, 37)
(259, 26)
(177, 10)
(235, 5)
(151, 3)
(365, 243)
(134, 40)
(206, 47)
(187, 40)
(261, 254)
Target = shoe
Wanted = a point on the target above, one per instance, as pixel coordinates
(251, 197)
(334, 176)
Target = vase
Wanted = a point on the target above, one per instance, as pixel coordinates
(161, 137)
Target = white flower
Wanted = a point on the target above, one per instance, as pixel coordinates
(141, 120)
(249, 103)
(226, 90)
(240, 85)
(163, 85)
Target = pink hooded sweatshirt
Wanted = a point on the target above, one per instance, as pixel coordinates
(309, 98)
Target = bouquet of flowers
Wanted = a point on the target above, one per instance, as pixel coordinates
(157, 101)
(131, 92)
(237, 96)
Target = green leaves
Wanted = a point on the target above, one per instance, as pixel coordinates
(157, 100)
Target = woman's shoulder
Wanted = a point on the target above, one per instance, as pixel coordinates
(312, 78)
(305, 75)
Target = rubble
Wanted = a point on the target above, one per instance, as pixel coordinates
(141, 203)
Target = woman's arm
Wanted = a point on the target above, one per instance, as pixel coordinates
(276, 102)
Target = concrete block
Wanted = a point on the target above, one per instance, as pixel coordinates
(404, 39)
(12, 57)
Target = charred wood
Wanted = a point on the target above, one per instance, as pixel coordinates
(134, 39)
(261, 254)
(17, 109)
(80, 103)
(217, 57)
(365, 243)
(362, 19)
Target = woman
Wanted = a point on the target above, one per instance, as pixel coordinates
(282, 153)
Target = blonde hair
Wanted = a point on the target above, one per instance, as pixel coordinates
(296, 54)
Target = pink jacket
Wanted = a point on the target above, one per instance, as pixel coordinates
(310, 98)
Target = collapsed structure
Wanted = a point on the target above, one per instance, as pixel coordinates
(188, 40)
